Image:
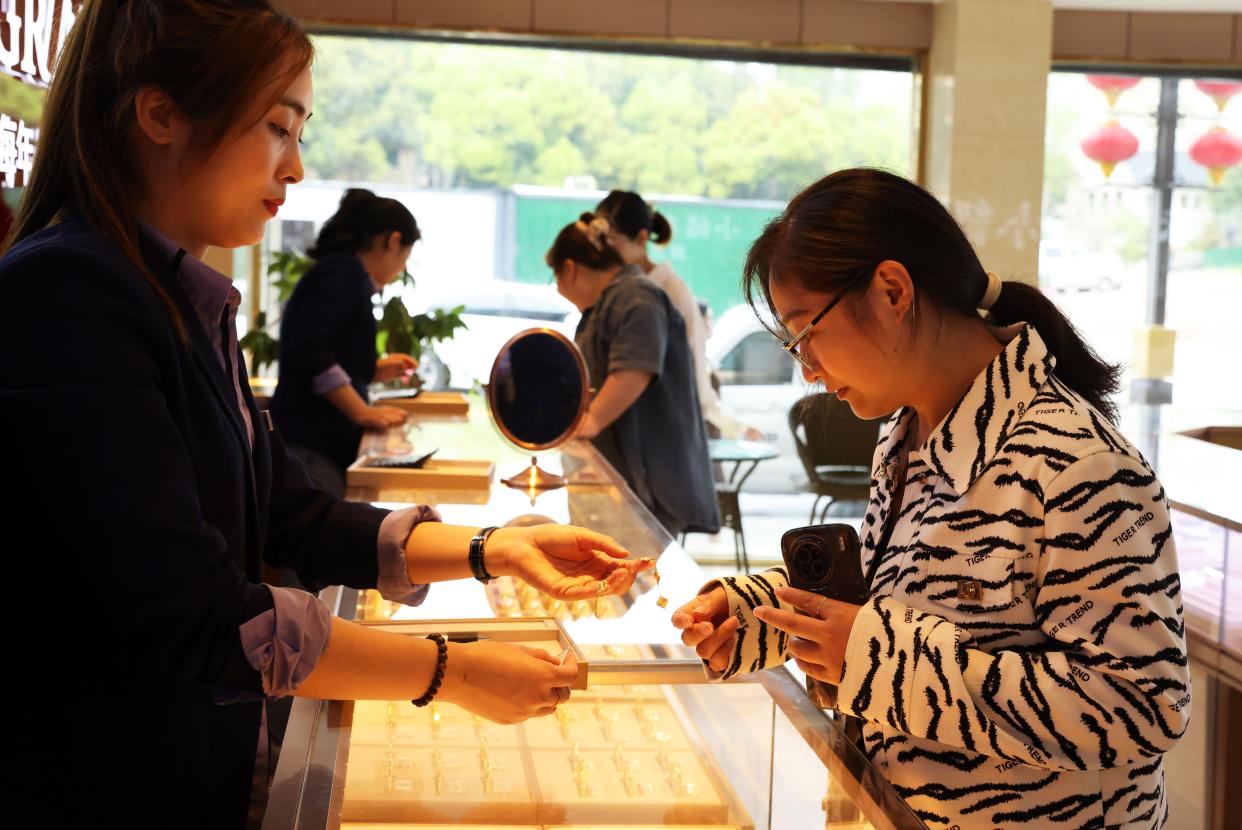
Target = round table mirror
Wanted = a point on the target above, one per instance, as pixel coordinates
(538, 394)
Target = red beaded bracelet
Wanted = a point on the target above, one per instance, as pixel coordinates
(441, 662)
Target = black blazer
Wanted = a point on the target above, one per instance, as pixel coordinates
(328, 320)
(135, 519)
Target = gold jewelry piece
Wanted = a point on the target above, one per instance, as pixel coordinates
(675, 777)
(820, 607)
(661, 600)
(600, 588)
(584, 784)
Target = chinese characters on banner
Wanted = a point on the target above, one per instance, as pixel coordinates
(17, 148)
(31, 34)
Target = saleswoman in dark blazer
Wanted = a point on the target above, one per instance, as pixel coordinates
(142, 487)
(327, 336)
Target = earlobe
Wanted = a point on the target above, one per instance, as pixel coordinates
(154, 113)
(897, 285)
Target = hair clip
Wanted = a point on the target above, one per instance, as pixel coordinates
(588, 232)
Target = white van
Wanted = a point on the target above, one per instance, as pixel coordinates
(495, 310)
(759, 382)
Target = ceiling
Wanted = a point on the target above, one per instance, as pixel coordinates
(1233, 6)
(1228, 6)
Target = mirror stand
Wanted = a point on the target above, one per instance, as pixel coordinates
(533, 478)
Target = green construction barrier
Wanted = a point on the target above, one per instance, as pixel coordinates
(710, 239)
(1222, 258)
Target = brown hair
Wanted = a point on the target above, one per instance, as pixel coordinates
(586, 243)
(212, 57)
(850, 221)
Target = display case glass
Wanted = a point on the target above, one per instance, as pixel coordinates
(648, 743)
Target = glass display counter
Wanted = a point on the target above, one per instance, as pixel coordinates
(647, 743)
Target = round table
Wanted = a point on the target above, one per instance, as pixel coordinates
(745, 457)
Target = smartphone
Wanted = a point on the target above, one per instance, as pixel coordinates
(403, 462)
(395, 394)
(825, 560)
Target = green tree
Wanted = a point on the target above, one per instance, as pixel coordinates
(463, 115)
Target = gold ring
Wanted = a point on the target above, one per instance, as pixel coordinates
(601, 586)
(820, 607)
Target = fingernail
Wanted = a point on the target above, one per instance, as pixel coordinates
(780, 592)
(761, 611)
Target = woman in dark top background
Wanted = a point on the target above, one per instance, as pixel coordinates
(143, 489)
(327, 336)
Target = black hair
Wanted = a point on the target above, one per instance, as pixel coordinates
(360, 218)
(586, 243)
(630, 214)
(853, 220)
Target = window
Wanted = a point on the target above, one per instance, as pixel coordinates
(1095, 253)
(496, 147)
(756, 361)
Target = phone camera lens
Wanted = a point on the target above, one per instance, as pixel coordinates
(812, 560)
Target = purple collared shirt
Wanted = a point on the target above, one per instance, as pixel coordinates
(284, 644)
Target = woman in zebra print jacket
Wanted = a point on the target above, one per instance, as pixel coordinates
(1021, 658)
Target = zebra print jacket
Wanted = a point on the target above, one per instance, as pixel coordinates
(1022, 658)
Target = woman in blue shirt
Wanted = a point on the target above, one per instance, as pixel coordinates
(145, 485)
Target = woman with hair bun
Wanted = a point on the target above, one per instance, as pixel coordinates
(327, 336)
(644, 417)
(1020, 657)
(633, 224)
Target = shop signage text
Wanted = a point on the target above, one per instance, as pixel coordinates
(31, 34)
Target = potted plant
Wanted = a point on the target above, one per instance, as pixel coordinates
(396, 331)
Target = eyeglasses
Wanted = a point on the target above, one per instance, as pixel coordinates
(791, 345)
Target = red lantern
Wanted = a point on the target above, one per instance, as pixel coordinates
(1220, 91)
(1110, 145)
(1217, 150)
(1112, 85)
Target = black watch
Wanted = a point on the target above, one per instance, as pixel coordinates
(477, 545)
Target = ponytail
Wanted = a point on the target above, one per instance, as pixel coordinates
(855, 219)
(661, 230)
(1079, 366)
(359, 219)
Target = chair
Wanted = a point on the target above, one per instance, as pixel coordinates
(835, 447)
(730, 516)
